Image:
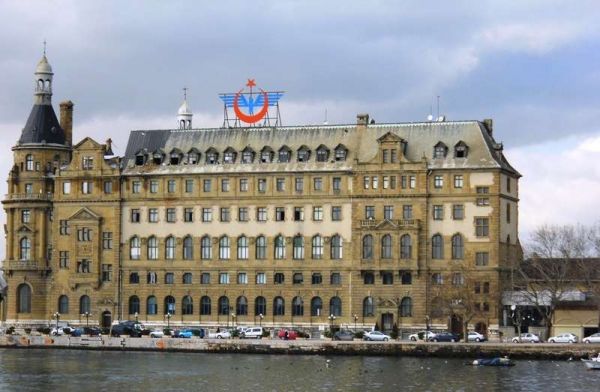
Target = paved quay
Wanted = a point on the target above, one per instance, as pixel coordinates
(305, 347)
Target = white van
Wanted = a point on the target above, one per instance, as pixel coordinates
(252, 333)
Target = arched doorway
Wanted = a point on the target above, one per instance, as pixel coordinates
(106, 319)
(456, 324)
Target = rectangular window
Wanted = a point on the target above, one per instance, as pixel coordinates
(169, 278)
(394, 154)
(369, 212)
(261, 214)
(280, 184)
(458, 212)
(318, 184)
(64, 227)
(375, 182)
(299, 184)
(262, 185)
(223, 278)
(317, 213)
(482, 227)
(242, 278)
(136, 186)
(107, 240)
(207, 215)
(438, 182)
(205, 278)
(63, 259)
(243, 185)
(458, 181)
(84, 266)
(336, 213)
(482, 259)
(135, 215)
(507, 213)
(438, 212)
(225, 214)
(171, 186)
(483, 201)
(336, 278)
(393, 182)
(84, 234)
(188, 214)
(336, 184)
(298, 214)
(366, 182)
(225, 185)
(386, 182)
(278, 278)
(387, 278)
(206, 185)
(25, 216)
(486, 287)
(407, 212)
(316, 278)
(108, 187)
(482, 190)
(279, 214)
(153, 186)
(298, 278)
(171, 215)
(106, 272)
(477, 288)
(66, 187)
(243, 214)
(152, 215)
(261, 278)
(87, 187)
(189, 186)
(88, 163)
(412, 182)
(386, 156)
(388, 212)
(29, 188)
(508, 184)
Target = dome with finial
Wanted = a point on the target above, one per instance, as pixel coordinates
(184, 108)
(43, 66)
(184, 114)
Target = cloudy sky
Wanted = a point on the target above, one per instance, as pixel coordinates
(532, 66)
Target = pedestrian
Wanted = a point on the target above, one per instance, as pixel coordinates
(286, 335)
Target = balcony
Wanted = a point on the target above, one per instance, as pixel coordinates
(405, 224)
(29, 196)
(25, 265)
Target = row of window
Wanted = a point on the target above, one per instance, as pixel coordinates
(389, 182)
(248, 155)
(243, 247)
(440, 150)
(242, 278)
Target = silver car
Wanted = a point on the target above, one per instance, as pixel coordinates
(595, 338)
(564, 338)
(376, 335)
(527, 338)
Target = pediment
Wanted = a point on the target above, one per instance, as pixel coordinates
(85, 214)
(386, 303)
(390, 137)
(24, 229)
(386, 224)
(86, 144)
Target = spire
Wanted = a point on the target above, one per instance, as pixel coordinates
(43, 81)
(184, 114)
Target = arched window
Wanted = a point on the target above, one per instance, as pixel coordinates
(224, 248)
(406, 307)
(188, 248)
(241, 306)
(242, 248)
(151, 305)
(29, 162)
(134, 304)
(152, 248)
(278, 306)
(367, 247)
(170, 248)
(437, 247)
(317, 247)
(386, 247)
(187, 278)
(187, 305)
(279, 247)
(335, 306)
(63, 304)
(298, 247)
(336, 247)
(23, 298)
(405, 247)
(297, 307)
(368, 307)
(260, 306)
(223, 306)
(437, 278)
(458, 248)
(25, 249)
(134, 248)
(316, 306)
(261, 248)
(284, 154)
(322, 153)
(206, 248)
(84, 305)
(169, 304)
(205, 306)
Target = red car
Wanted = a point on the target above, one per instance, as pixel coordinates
(287, 334)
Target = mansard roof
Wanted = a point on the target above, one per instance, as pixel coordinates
(42, 127)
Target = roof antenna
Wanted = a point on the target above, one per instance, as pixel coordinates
(185, 93)
(430, 116)
(438, 106)
(44, 46)
(325, 122)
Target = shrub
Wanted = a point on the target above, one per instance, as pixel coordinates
(394, 333)
(196, 332)
(327, 334)
(43, 330)
(359, 334)
(266, 333)
(10, 330)
(27, 331)
(234, 333)
(167, 331)
(302, 334)
(104, 331)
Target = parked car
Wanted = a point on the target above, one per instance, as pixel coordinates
(421, 335)
(91, 331)
(77, 332)
(376, 335)
(61, 331)
(220, 334)
(595, 338)
(527, 338)
(343, 334)
(287, 334)
(564, 338)
(157, 333)
(476, 337)
(445, 337)
(130, 328)
(183, 334)
(252, 333)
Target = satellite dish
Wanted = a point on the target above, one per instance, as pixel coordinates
(430, 117)
(441, 118)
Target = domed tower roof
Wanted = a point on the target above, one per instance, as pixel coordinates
(184, 114)
(184, 108)
(44, 67)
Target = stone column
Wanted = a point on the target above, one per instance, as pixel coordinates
(42, 237)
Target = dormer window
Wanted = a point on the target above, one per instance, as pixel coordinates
(266, 155)
(193, 157)
(87, 163)
(439, 151)
(229, 155)
(303, 154)
(284, 154)
(247, 155)
(340, 153)
(212, 156)
(322, 154)
(157, 157)
(140, 158)
(175, 157)
(461, 150)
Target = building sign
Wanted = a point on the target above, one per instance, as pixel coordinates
(251, 106)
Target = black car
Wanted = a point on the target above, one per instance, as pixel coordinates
(91, 331)
(130, 328)
(444, 337)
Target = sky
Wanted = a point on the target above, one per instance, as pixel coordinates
(533, 66)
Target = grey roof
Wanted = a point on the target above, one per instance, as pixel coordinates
(361, 143)
(42, 126)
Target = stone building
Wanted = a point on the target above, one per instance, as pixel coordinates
(362, 224)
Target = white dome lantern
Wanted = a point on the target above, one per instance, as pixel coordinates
(184, 114)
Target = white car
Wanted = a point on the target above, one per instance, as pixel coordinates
(476, 337)
(376, 335)
(252, 333)
(421, 335)
(527, 338)
(157, 333)
(220, 335)
(60, 331)
(564, 338)
(595, 338)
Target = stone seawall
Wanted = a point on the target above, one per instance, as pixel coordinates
(305, 347)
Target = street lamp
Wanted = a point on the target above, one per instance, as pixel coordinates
(136, 315)
(168, 316)
(261, 316)
(56, 315)
(517, 319)
(331, 318)
(233, 319)
(355, 320)
(87, 318)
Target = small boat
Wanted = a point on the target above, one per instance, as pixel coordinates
(498, 361)
(592, 363)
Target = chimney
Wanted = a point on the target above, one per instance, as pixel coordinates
(108, 147)
(66, 120)
(362, 119)
(489, 125)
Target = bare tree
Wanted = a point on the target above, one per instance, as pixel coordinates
(589, 267)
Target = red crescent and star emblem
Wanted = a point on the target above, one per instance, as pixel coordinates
(249, 101)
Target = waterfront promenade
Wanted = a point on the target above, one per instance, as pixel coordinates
(305, 347)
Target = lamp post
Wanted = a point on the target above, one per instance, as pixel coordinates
(355, 320)
(168, 316)
(260, 317)
(56, 315)
(331, 318)
(232, 320)
(136, 315)
(87, 319)
(517, 319)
